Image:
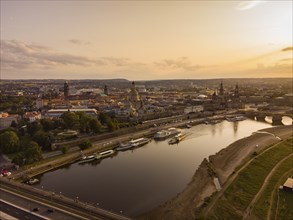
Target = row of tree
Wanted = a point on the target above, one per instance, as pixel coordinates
(27, 151)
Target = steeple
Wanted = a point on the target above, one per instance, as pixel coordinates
(221, 89)
(66, 90)
(236, 92)
(106, 90)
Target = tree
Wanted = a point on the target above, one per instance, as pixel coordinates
(104, 117)
(9, 142)
(47, 124)
(19, 159)
(64, 149)
(33, 127)
(14, 124)
(58, 123)
(33, 153)
(44, 139)
(84, 145)
(95, 125)
(84, 120)
(71, 120)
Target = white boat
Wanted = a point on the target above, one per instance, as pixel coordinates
(174, 131)
(32, 181)
(179, 137)
(160, 135)
(139, 142)
(124, 146)
(106, 153)
(85, 159)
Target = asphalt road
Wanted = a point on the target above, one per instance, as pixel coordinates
(29, 205)
(18, 213)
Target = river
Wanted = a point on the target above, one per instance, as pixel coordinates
(135, 181)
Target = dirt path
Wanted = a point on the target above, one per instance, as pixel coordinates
(250, 207)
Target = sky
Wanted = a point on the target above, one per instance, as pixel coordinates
(146, 40)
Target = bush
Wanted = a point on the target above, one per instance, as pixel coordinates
(64, 149)
(84, 145)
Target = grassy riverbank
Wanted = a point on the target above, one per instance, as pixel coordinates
(192, 202)
(242, 190)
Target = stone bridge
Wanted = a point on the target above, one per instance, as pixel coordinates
(261, 115)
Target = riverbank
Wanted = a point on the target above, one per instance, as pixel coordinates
(185, 205)
(103, 144)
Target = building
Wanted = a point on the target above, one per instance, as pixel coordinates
(32, 116)
(106, 90)
(56, 113)
(6, 120)
(134, 103)
(66, 91)
(224, 101)
(288, 185)
(39, 103)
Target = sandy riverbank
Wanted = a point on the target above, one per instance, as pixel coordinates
(185, 204)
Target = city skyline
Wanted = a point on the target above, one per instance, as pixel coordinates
(146, 40)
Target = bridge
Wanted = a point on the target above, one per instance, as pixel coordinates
(261, 115)
(70, 207)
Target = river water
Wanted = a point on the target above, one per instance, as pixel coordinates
(136, 181)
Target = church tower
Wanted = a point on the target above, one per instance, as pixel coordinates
(66, 90)
(236, 92)
(106, 90)
(221, 89)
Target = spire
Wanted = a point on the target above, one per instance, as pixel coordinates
(221, 88)
(66, 90)
(236, 92)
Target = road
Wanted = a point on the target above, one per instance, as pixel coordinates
(18, 212)
(29, 205)
(71, 208)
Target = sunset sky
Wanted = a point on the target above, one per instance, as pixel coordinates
(145, 40)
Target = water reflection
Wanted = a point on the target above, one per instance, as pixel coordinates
(139, 180)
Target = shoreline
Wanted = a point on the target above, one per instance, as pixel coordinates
(99, 145)
(187, 204)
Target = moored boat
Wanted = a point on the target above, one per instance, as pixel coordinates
(139, 142)
(106, 153)
(124, 146)
(161, 135)
(85, 159)
(179, 137)
(32, 181)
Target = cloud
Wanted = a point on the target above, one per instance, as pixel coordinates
(19, 55)
(180, 63)
(245, 5)
(79, 42)
(287, 49)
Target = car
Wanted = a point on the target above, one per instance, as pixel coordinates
(36, 209)
(50, 210)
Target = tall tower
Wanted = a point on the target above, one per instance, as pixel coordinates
(236, 92)
(66, 90)
(221, 89)
(106, 90)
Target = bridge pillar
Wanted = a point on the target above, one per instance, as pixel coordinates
(260, 117)
(277, 120)
(250, 115)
